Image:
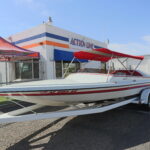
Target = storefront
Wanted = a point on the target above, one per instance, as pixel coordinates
(28, 69)
(56, 47)
(62, 63)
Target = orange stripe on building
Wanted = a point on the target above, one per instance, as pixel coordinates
(51, 43)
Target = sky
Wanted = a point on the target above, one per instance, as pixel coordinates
(126, 23)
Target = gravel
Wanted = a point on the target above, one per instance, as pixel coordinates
(113, 130)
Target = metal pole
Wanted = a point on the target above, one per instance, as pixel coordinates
(125, 60)
(136, 67)
(124, 66)
(127, 68)
(68, 67)
(109, 68)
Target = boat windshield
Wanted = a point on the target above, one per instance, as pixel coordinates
(115, 73)
(90, 70)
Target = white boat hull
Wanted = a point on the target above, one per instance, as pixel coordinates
(72, 91)
(75, 99)
(68, 97)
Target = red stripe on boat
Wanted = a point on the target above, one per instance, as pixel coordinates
(72, 92)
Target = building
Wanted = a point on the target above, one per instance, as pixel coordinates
(55, 46)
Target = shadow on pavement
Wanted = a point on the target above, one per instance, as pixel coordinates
(113, 130)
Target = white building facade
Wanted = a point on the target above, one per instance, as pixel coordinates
(55, 46)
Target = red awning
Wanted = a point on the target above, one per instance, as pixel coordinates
(11, 52)
(103, 54)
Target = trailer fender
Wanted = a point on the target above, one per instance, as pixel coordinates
(145, 97)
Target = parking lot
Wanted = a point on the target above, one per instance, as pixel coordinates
(123, 128)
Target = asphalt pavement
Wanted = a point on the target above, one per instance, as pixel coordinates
(124, 128)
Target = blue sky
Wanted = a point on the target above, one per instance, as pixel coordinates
(125, 23)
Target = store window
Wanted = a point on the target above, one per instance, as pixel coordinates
(62, 66)
(59, 70)
(103, 67)
(27, 69)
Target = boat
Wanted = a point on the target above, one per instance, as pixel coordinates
(83, 87)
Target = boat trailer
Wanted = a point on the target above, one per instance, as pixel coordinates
(80, 109)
